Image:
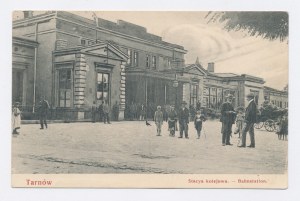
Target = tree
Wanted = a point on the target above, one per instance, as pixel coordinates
(268, 25)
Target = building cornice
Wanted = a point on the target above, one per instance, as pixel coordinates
(125, 36)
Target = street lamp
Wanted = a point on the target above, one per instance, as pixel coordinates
(175, 85)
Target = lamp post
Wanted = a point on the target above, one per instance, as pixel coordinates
(175, 85)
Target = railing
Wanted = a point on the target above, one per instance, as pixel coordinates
(66, 114)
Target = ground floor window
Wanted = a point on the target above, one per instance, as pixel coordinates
(194, 94)
(17, 85)
(103, 86)
(65, 87)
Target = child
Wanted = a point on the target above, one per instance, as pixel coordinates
(283, 128)
(239, 122)
(172, 118)
(158, 119)
(198, 122)
(16, 118)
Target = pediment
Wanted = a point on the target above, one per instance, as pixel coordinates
(105, 50)
(195, 70)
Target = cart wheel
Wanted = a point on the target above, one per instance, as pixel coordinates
(259, 125)
(269, 125)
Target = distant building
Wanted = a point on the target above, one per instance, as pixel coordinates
(276, 97)
(211, 87)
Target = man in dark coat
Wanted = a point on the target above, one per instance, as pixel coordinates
(183, 118)
(100, 110)
(227, 119)
(250, 120)
(116, 111)
(43, 112)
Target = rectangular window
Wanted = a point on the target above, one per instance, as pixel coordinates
(129, 53)
(154, 62)
(83, 42)
(147, 61)
(135, 59)
(169, 63)
(103, 86)
(194, 94)
(65, 87)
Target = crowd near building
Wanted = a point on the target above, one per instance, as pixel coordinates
(77, 62)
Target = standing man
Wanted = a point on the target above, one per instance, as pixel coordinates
(116, 111)
(227, 119)
(43, 112)
(100, 110)
(106, 111)
(250, 119)
(172, 120)
(183, 117)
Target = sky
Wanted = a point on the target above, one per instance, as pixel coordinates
(232, 52)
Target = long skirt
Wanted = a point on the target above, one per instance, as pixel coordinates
(16, 121)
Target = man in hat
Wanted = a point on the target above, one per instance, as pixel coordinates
(172, 120)
(250, 119)
(183, 118)
(43, 108)
(227, 119)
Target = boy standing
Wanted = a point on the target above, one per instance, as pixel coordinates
(198, 122)
(158, 119)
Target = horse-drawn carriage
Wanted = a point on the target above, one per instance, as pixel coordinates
(269, 117)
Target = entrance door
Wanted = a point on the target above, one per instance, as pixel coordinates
(18, 86)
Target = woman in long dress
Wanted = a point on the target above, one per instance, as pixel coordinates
(16, 118)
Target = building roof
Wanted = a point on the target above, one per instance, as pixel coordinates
(121, 26)
(225, 74)
(274, 90)
(24, 40)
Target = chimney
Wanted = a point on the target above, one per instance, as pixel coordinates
(211, 67)
(28, 14)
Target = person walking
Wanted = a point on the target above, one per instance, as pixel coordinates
(43, 112)
(16, 118)
(158, 119)
(227, 119)
(116, 111)
(106, 112)
(172, 120)
(250, 120)
(183, 117)
(199, 118)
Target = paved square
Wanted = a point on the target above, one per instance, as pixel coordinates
(133, 147)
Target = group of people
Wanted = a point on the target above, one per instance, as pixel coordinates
(182, 116)
(42, 110)
(103, 112)
(244, 120)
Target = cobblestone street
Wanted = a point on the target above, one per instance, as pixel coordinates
(133, 147)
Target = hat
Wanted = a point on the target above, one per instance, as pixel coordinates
(250, 95)
(159, 107)
(229, 96)
(183, 103)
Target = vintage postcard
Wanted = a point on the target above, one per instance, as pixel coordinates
(112, 99)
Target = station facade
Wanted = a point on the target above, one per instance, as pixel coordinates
(77, 62)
